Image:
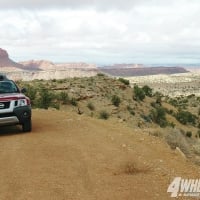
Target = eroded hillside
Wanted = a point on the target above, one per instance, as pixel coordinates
(174, 120)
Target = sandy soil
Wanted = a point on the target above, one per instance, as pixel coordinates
(74, 157)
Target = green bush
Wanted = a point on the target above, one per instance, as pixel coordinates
(158, 115)
(31, 92)
(185, 117)
(139, 94)
(45, 98)
(103, 115)
(90, 106)
(100, 74)
(73, 101)
(115, 100)
(189, 134)
(198, 133)
(125, 81)
(64, 98)
(147, 90)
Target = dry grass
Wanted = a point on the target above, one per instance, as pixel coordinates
(132, 168)
(177, 139)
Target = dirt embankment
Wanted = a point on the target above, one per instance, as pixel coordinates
(74, 157)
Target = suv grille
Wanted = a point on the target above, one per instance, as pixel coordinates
(4, 105)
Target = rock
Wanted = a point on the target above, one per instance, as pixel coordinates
(178, 150)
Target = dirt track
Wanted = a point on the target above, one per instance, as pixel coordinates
(73, 157)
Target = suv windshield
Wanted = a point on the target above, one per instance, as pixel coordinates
(8, 87)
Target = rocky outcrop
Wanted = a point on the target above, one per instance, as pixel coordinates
(3, 54)
(51, 74)
(6, 64)
(45, 65)
(35, 65)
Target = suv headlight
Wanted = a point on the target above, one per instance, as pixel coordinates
(22, 102)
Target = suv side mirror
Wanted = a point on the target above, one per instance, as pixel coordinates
(23, 90)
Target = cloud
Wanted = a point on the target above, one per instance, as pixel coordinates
(77, 4)
(101, 31)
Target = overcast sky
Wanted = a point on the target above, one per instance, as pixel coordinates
(101, 31)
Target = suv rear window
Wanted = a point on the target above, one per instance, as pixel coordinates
(8, 87)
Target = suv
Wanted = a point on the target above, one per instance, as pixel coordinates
(15, 107)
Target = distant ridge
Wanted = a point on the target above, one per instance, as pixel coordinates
(44, 69)
(141, 71)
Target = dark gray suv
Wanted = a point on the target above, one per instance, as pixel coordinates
(15, 107)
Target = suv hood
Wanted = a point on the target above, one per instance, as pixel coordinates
(11, 96)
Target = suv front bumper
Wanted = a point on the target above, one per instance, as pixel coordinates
(19, 116)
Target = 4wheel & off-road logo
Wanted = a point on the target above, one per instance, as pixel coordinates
(180, 187)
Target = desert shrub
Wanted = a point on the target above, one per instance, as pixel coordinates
(132, 168)
(31, 92)
(125, 81)
(73, 101)
(169, 111)
(139, 94)
(146, 118)
(153, 104)
(158, 100)
(90, 105)
(147, 90)
(176, 139)
(158, 115)
(60, 81)
(103, 114)
(45, 98)
(191, 96)
(173, 102)
(189, 134)
(131, 110)
(115, 100)
(185, 117)
(100, 74)
(56, 106)
(171, 124)
(198, 133)
(53, 80)
(64, 98)
(199, 112)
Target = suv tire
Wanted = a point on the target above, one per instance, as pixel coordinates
(27, 126)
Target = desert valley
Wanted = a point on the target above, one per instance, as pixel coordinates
(173, 81)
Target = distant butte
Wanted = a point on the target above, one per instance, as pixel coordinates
(6, 64)
(132, 70)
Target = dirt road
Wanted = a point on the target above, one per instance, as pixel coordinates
(74, 157)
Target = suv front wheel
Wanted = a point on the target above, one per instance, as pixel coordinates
(27, 126)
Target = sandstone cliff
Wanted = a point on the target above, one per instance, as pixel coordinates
(6, 64)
